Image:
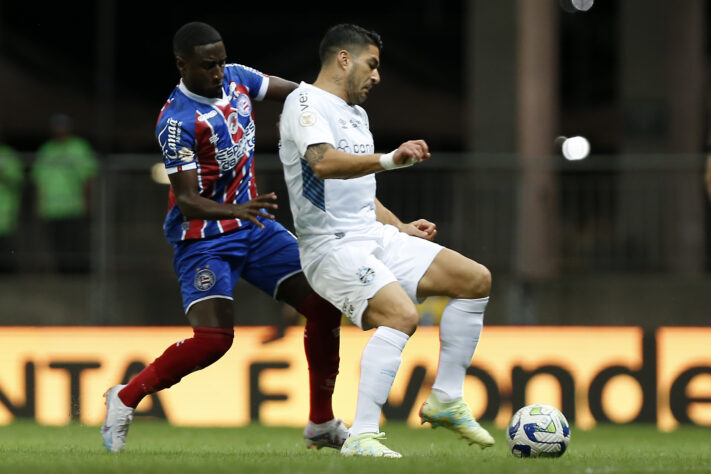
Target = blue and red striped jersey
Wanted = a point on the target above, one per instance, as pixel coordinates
(215, 137)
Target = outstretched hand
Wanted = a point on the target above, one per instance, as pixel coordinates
(411, 152)
(421, 228)
(250, 210)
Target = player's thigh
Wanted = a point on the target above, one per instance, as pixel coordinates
(407, 257)
(212, 313)
(204, 274)
(392, 307)
(454, 275)
(348, 276)
(273, 264)
(294, 290)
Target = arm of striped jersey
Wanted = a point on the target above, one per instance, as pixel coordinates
(194, 206)
(279, 88)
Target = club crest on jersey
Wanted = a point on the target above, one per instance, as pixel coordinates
(244, 106)
(204, 279)
(233, 123)
(366, 275)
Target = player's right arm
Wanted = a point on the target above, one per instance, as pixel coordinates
(421, 228)
(194, 206)
(304, 123)
(329, 163)
(177, 141)
(279, 88)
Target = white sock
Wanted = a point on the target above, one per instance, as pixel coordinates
(459, 330)
(378, 366)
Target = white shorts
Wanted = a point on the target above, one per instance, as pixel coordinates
(349, 271)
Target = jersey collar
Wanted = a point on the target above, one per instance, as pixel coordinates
(329, 95)
(204, 100)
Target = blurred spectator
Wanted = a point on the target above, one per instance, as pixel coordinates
(62, 174)
(11, 177)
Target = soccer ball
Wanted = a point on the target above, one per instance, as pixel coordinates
(538, 431)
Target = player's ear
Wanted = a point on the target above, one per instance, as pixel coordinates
(180, 63)
(344, 59)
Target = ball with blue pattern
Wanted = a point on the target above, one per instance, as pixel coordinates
(538, 430)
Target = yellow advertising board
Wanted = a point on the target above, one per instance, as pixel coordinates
(594, 374)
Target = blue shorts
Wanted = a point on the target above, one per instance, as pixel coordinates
(210, 268)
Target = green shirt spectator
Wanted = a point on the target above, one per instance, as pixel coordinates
(11, 176)
(61, 171)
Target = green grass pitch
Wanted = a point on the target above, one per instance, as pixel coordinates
(156, 447)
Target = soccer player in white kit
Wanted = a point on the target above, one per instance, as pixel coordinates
(359, 256)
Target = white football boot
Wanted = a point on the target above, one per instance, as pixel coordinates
(330, 434)
(118, 419)
(368, 444)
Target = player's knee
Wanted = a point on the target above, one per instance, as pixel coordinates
(215, 343)
(478, 285)
(407, 321)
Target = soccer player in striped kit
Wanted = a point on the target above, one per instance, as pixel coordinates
(222, 229)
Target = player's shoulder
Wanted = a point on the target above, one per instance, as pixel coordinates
(240, 70)
(178, 110)
(294, 98)
(361, 110)
(304, 97)
(363, 115)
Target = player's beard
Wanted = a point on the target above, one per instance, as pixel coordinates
(354, 90)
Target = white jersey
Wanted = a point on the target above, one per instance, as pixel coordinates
(325, 208)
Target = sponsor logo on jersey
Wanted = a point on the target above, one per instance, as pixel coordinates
(343, 145)
(244, 106)
(169, 138)
(228, 157)
(347, 309)
(366, 275)
(363, 148)
(186, 154)
(303, 98)
(204, 279)
(207, 116)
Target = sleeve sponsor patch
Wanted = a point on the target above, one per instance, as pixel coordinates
(307, 118)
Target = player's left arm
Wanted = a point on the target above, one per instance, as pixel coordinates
(279, 88)
(421, 228)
